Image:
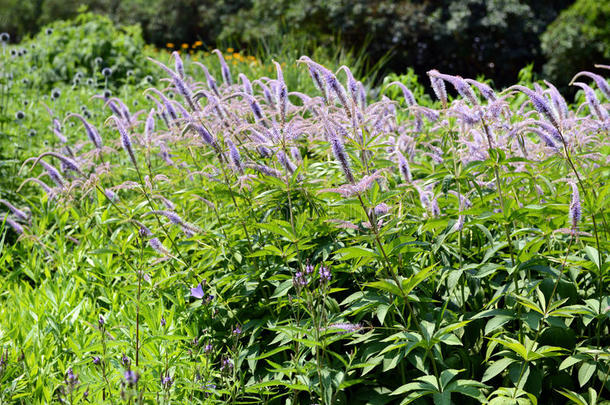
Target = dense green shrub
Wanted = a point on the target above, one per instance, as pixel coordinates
(578, 39)
(84, 47)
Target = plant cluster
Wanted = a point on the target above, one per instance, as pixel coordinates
(236, 240)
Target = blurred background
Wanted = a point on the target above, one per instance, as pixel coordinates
(491, 38)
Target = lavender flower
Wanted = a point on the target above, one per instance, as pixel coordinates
(594, 105)
(111, 195)
(125, 140)
(299, 280)
(149, 126)
(281, 92)
(125, 360)
(175, 219)
(459, 224)
(180, 85)
(203, 133)
(247, 86)
(256, 109)
(601, 83)
(197, 292)
(163, 322)
(269, 171)
(92, 133)
(459, 84)
(403, 167)
(96, 360)
(539, 103)
(317, 80)
(131, 378)
(71, 379)
(381, 209)
(561, 107)
(237, 330)
(156, 244)
(345, 327)
(167, 104)
(211, 82)
(284, 161)
(235, 156)
(575, 212)
(361, 96)
(352, 85)
(407, 94)
(438, 86)
(122, 111)
(57, 131)
(16, 211)
(325, 275)
(296, 154)
(53, 173)
(224, 68)
(226, 364)
(340, 154)
(16, 227)
(166, 381)
(178, 65)
(484, 89)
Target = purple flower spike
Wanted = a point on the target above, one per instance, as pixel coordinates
(325, 275)
(131, 377)
(71, 378)
(381, 209)
(197, 292)
(575, 212)
(167, 381)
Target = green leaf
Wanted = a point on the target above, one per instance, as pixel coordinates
(585, 372)
(386, 285)
(496, 368)
(409, 284)
(354, 252)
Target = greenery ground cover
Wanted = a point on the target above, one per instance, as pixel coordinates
(225, 228)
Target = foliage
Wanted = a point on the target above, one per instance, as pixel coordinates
(578, 39)
(306, 239)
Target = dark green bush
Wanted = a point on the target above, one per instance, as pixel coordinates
(86, 46)
(579, 38)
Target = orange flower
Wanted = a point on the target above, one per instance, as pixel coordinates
(198, 43)
(184, 46)
(169, 45)
(230, 50)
